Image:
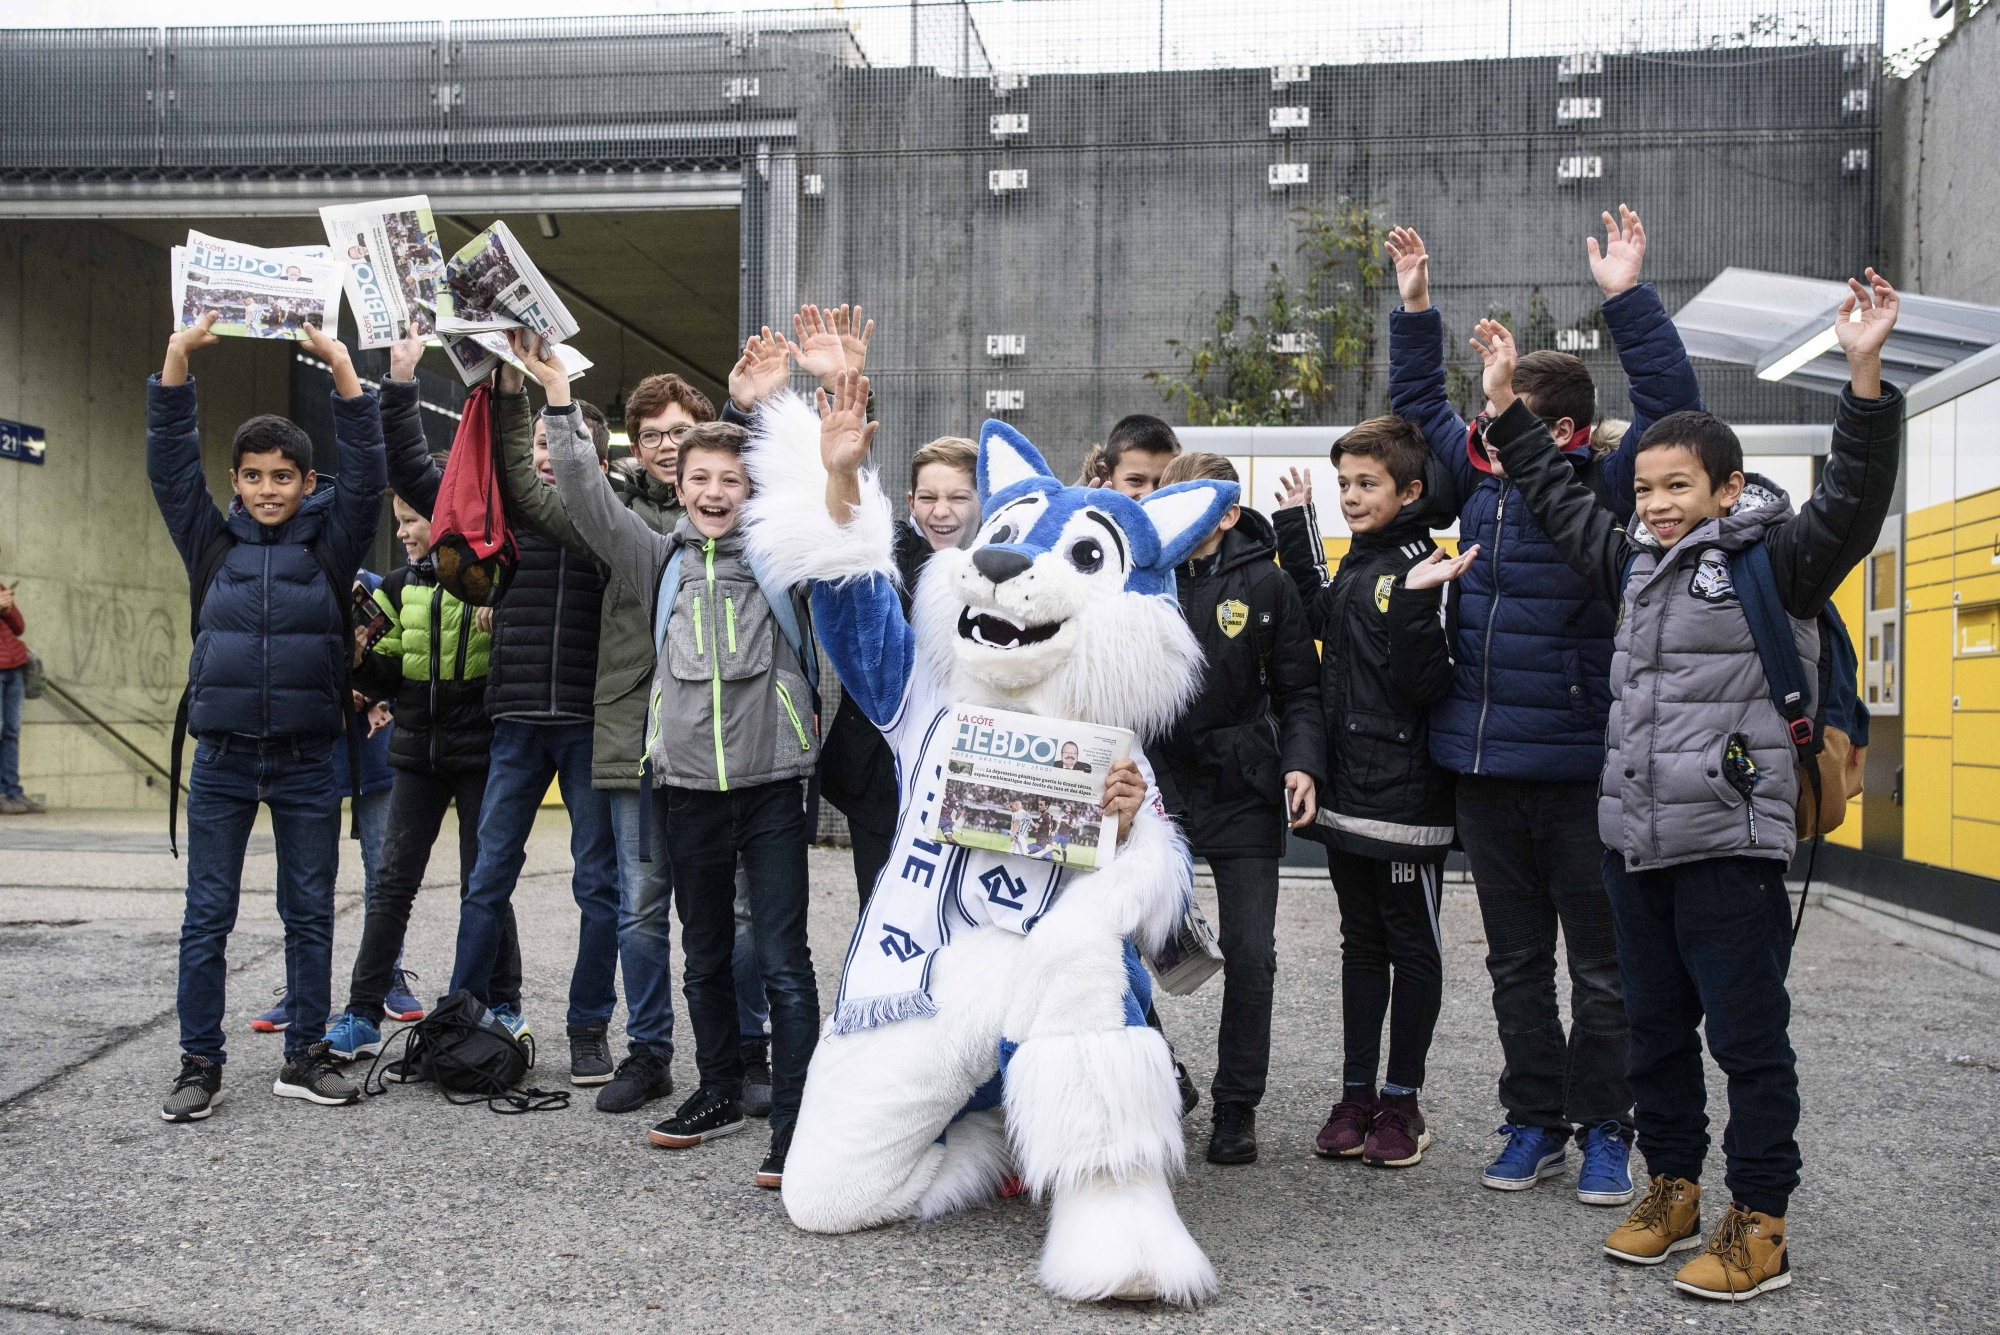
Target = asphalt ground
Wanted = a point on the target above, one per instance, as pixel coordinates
(406, 1213)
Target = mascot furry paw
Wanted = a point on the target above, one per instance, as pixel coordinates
(991, 1011)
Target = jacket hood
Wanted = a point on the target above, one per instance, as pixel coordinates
(1253, 539)
(630, 481)
(305, 525)
(1764, 505)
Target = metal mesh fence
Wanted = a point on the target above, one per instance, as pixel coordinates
(1035, 196)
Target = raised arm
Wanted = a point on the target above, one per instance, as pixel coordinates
(1300, 551)
(173, 448)
(528, 496)
(1416, 360)
(1656, 363)
(357, 436)
(1813, 552)
(1590, 539)
(619, 538)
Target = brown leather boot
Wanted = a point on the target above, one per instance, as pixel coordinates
(1666, 1220)
(1746, 1256)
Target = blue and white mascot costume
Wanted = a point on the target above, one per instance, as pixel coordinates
(990, 1017)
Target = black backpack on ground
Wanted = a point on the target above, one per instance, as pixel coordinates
(206, 568)
(463, 1047)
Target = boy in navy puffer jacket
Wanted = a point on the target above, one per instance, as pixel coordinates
(266, 685)
(1523, 724)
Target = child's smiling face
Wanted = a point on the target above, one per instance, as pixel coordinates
(270, 486)
(713, 485)
(945, 505)
(1369, 500)
(1673, 493)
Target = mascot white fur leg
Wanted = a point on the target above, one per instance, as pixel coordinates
(970, 964)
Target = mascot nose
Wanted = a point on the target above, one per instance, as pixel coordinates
(999, 564)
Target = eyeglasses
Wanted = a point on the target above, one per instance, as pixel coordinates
(652, 440)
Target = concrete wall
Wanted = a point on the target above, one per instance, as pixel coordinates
(83, 321)
(1941, 167)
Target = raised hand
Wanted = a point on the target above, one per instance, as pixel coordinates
(1862, 327)
(334, 353)
(1413, 268)
(1295, 490)
(761, 371)
(174, 371)
(853, 337)
(406, 353)
(1437, 568)
(1124, 790)
(1494, 343)
(1616, 267)
(819, 351)
(845, 433)
(539, 357)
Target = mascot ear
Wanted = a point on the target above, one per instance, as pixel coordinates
(1005, 458)
(1186, 513)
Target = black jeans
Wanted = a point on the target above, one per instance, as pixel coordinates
(1711, 940)
(1536, 859)
(417, 805)
(1246, 899)
(1391, 963)
(705, 834)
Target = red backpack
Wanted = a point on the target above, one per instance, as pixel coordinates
(471, 544)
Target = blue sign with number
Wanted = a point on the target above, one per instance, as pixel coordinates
(20, 441)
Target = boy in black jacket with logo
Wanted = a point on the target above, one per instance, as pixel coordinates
(1386, 818)
(1246, 759)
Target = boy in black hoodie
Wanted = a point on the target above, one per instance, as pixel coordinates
(1386, 818)
(1245, 760)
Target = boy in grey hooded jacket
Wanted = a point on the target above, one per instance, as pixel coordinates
(1694, 865)
(731, 734)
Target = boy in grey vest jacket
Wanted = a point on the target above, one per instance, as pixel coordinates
(732, 732)
(1696, 804)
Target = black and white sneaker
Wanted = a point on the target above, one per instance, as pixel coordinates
(589, 1056)
(771, 1174)
(641, 1077)
(703, 1117)
(315, 1077)
(197, 1089)
(757, 1079)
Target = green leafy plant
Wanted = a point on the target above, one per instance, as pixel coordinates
(1274, 364)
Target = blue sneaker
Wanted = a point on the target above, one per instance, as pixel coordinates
(517, 1023)
(1532, 1153)
(1606, 1177)
(351, 1036)
(277, 1019)
(401, 1003)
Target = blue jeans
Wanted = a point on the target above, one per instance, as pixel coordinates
(645, 892)
(1704, 947)
(12, 681)
(230, 777)
(525, 758)
(372, 811)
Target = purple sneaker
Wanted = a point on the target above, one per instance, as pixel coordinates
(1346, 1128)
(1398, 1137)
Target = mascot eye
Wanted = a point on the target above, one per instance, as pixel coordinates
(1003, 535)
(1087, 555)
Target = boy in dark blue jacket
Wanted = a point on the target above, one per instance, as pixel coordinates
(1523, 723)
(266, 694)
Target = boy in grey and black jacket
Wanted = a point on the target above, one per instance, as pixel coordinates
(1695, 863)
(731, 734)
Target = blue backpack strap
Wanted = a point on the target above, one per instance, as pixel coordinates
(778, 597)
(1771, 628)
(1840, 669)
(663, 601)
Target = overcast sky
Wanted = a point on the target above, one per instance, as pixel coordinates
(1089, 33)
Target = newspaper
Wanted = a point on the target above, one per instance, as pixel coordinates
(256, 292)
(393, 265)
(1190, 956)
(475, 356)
(1029, 786)
(492, 285)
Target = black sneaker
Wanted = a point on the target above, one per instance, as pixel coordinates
(1234, 1139)
(316, 1077)
(757, 1079)
(771, 1174)
(589, 1056)
(706, 1115)
(1190, 1099)
(640, 1078)
(197, 1089)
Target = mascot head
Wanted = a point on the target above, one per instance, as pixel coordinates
(1064, 604)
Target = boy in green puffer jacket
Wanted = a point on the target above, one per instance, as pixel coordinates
(432, 662)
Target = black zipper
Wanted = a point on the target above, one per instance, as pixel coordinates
(555, 637)
(1486, 653)
(437, 654)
